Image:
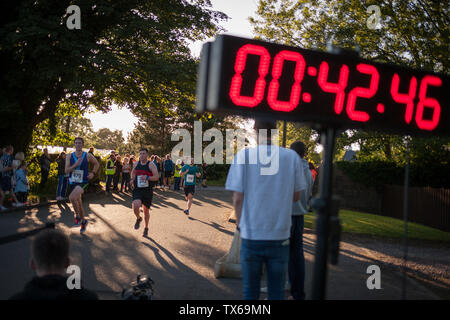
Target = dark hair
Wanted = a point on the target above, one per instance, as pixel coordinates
(268, 125)
(50, 249)
(143, 149)
(61, 155)
(299, 147)
(265, 124)
(79, 138)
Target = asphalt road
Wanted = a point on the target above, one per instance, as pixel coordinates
(179, 253)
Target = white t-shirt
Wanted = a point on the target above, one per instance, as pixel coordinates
(268, 176)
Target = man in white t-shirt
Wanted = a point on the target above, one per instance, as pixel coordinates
(266, 180)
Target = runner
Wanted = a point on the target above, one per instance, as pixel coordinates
(143, 172)
(190, 173)
(168, 171)
(77, 165)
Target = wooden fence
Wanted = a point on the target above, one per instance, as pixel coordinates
(427, 206)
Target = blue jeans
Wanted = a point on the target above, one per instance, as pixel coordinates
(62, 186)
(297, 259)
(255, 253)
(109, 180)
(176, 187)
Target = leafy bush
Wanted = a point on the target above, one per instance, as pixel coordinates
(217, 171)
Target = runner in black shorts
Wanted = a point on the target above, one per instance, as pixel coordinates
(190, 174)
(142, 175)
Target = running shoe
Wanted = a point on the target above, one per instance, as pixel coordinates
(77, 221)
(145, 232)
(187, 212)
(2, 208)
(138, 223)
(83, 226)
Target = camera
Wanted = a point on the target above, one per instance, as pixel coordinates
(141, 289)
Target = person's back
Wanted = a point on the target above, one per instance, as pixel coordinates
(21, 181)
(50, 259)
(52, 287)
(266, 210)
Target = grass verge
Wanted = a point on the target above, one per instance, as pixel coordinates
(381, 226)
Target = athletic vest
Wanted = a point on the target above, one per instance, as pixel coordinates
(110, 171)
(79, 175)
(142, 170)
(177, 171)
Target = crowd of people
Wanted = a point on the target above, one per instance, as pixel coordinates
(15, 183)
(269, 209)
(13, 176)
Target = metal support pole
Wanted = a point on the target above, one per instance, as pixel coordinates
(323, 207)
(284, 133)
(405, 220)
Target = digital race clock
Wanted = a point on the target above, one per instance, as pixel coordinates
(257, 78)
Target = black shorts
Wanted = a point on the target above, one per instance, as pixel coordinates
(189, 189)
(72, 186)
(6, 183)
(167, 174)
(143, 194)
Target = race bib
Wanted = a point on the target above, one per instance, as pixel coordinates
(77, 176)
(142, 182)
(190, 178)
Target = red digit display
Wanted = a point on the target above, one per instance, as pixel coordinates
(362, 92)
(239, 67)
(428, 102)
(337, 88)
(407, 99)
(274, 86)
(325, 89)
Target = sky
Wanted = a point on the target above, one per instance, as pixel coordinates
(238, 12)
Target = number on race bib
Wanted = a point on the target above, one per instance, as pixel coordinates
(190, 178)
(77, 176)
(142, 181)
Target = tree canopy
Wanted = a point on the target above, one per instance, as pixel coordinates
(410, 33)
(126, 52)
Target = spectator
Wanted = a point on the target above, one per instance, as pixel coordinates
(117, 173)
(168, 171)
(177, 175)
(132, 161)
(204, 177)
(263, 214)
(17, 162)
(161, 171)
(45, 168)
(22, 184)
(296, 268)
(7, 175)
(91, 150)
(313, 170)
(50, 259)
(182, 178)
(109, 171)
(156, 161)
(126, 170)
(63, 178)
